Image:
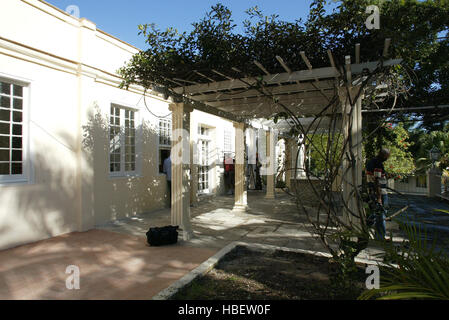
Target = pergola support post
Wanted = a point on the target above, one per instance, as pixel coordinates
(352, 168)
(193, 166)
(289, 156)
(271, 165)
(180, 156)
(241, 202)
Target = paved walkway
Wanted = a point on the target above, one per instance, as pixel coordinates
(112, 266)
(116, 263)
(422, 213)
(267, 221)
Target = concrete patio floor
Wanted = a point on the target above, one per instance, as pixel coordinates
(112, 266)
(215, 225)
(116, 263)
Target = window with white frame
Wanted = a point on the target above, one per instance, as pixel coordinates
(165, 125)
(12, 139)
(122, 141)
(203, 130)
(204, 158)
(203, 167)
(165, 132)
(227, 145)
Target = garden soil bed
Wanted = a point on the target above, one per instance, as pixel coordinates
(275, 275)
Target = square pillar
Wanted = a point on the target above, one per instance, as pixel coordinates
(271, 165)
(289, 156)
(180, 158)
(352, 172)
(193, 166)
(434, 182)
(241, 202)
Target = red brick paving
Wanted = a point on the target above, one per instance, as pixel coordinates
(112, 266)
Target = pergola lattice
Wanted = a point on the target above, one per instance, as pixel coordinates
(306, 93)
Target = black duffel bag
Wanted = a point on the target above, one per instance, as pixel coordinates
(162, 236)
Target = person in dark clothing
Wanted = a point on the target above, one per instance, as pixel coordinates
(229, 173)
(167, 171)
(257, 171)
(377, 190)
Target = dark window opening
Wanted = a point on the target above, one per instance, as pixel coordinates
(163, 154)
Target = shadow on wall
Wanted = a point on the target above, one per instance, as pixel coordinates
(51, 204)
(127, 194)
(48, 206)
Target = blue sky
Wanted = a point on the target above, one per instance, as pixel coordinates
(120, 18)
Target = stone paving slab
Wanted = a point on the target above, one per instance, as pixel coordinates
(267, 221)
(112, 266)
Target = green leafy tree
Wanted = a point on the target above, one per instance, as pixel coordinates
(401, 162)
(415, 28)
(318, 144)
(425, 141)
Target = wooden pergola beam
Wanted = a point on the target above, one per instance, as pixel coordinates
(284, 89)
(286, 97)
(261, 67)
(283, 64)
(263, 112)
(386, 47)
(357, 53)
(251, 106)
(304, 75)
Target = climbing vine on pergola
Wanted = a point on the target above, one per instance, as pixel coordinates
(253, 75)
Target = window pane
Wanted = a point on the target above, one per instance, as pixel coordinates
(16, 168)
(130, 167)
(17, 129)
(5, 102)
(18, 91)
(4, 155)
(5, 115)
(4, 142)
(17, 143)
(4, 128)
(17, 116)
(4, 168)
(5, 88)
(17, 155)
(17, 104)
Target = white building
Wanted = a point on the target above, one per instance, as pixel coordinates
(75, 150)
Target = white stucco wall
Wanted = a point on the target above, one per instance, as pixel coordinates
(69, 66)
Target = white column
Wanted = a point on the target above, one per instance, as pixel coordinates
(180, 157)
(252, 151)
(241, 202)
(271, 165)
(352, 131)
(289, 169)
(193, 165)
